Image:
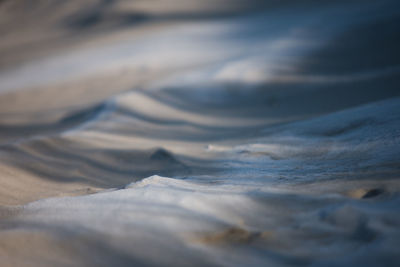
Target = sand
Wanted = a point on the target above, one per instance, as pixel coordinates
(199, 133)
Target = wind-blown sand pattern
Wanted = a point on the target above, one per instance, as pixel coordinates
(199, 133)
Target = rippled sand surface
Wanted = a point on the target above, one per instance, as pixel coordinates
(199, 133)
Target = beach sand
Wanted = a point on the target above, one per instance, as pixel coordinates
(199, 133)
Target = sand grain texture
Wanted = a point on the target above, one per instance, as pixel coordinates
(199, 133)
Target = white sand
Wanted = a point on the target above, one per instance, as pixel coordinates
(205, 135)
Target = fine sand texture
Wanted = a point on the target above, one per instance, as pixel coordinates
(199, 133)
